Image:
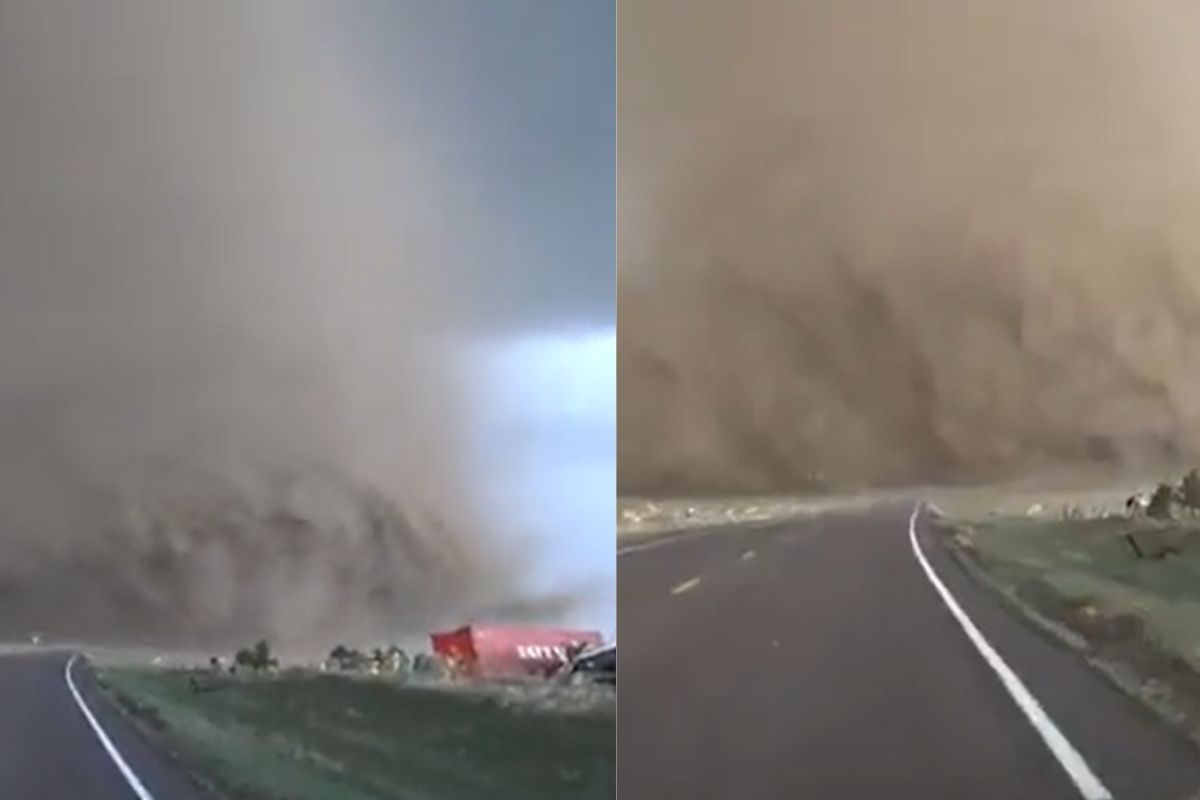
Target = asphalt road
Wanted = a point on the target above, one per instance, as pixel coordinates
(49, 749)
(818, 660)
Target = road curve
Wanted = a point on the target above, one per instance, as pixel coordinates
(49, 750)
(818, 660)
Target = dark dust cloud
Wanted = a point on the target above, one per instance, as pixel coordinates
(229, 399)
(869, 243)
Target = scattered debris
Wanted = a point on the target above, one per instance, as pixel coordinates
(198, 686)
(597, 664)
(1165, 548)
(1137, 550)
(631, 517)
(430, 667)
(471, 656)
(1136, 504)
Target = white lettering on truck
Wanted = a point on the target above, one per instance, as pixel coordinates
(542, 652)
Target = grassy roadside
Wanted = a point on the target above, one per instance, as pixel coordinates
(303, 736)
(1136, 618)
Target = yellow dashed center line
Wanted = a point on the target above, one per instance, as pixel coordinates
(686, 586)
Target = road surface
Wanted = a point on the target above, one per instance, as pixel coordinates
(50, 750)
(819, 660)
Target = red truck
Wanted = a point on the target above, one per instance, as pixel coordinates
(493, 651)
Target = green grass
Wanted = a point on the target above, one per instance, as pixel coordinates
(325, 737)
(1090, 563)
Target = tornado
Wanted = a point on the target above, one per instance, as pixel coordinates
(232, 396)
(869, 243)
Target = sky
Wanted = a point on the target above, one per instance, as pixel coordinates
(512, 105)
(548, 439)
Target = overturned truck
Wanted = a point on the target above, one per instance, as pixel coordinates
(490, 652)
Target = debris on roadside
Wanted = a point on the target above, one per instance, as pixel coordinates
(558, 670)
(1167, 500)
(595, 664)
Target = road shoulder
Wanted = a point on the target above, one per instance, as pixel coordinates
(1143, 676)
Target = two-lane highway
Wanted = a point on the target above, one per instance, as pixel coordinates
(61, 740)
(822, 659)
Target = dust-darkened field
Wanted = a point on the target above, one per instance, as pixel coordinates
(326, 737)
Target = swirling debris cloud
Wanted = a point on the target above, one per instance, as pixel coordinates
(229, 400)
(873, 243)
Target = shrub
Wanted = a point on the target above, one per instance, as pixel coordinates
(1189, 490)
(1161, 502)
(244, 658)
(263, 660)
(257, 658)
(345, 658)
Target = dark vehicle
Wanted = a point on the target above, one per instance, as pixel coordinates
(597, 664)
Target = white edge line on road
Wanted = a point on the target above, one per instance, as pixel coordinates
(126, 772)
(1081, 775)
